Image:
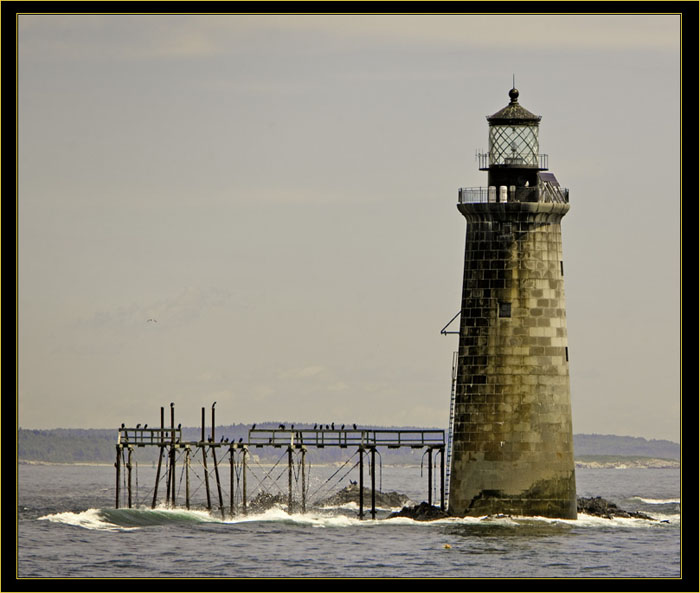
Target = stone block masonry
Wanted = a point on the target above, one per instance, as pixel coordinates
(512, 441)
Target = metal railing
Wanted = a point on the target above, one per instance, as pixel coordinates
(503, 194)
(346, 438)
(486, 160)
(148, 436)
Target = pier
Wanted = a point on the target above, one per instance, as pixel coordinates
(175, 453)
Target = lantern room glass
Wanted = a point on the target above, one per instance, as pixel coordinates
(513, 145)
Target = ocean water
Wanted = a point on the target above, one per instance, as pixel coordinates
(68, 527)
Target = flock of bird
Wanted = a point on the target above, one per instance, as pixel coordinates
(225, 439)
(317, 426)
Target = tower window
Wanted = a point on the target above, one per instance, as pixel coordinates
(504, 309)
(561, 267)
(566, 353)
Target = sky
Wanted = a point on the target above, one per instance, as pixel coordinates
(260, 211)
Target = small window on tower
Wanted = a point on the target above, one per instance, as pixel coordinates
(504, 309)
(561, 266)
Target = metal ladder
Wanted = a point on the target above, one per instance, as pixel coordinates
(451, 426)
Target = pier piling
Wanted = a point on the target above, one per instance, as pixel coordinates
(117, 464)
(303, 479)
(361, 451)
(172, 453)
(216, 465)
(442, 478)
(430, 477)
(231, 472)
(218, 482)
(245, 504)
(128, 470)
(289, 476)
(187, 477)
(160, 456)
(373, 452)
(203, 446)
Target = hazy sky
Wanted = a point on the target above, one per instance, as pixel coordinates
(278, 192)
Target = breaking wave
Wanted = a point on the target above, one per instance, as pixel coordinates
(138, 518)
(127, 519)
(657, 500)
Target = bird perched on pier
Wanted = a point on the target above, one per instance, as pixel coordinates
(315, 425)
(222, 440)
(240, 440)
(122, 425)
(292, 427)
(145, 426)
(342, 427)
(138, 425)
(253, 427)
(354, 426)
(179, 425)
(332, 425)
(282, 426)
(328, 427)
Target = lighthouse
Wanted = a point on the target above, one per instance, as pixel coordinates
(512, 439)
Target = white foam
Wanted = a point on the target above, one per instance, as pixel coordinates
(166, 511)
(657, 500)
(353, 506)
(95, 519)
(90, 519)
(277, 514)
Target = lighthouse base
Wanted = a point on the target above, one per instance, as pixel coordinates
(554, 498)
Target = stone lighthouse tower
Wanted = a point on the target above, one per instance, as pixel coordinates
(512, 443)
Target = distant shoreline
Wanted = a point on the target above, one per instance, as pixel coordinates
(97, 446)
(627, 463)
(589, 462)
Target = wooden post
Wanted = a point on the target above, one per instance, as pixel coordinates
(118, 464)
(216, 465)
(213, 423)
(218, 482)
(167, 481)
(372, 465)
(206, 474)
(289, 474)
(430, 476)
(128, 470)
(303, 479)
(172, 452)
(187, 477)
(245, 507)
(160, 457)
(231, 471)
(442, 478)
(204, 463)
(362, 483)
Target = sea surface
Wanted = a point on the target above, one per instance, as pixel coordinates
(68, 527)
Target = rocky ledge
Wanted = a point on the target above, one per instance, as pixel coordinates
(597, 506)
(351, 493)
(421, 512)
(600, 507)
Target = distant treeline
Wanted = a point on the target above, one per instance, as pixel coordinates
(74, 445)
